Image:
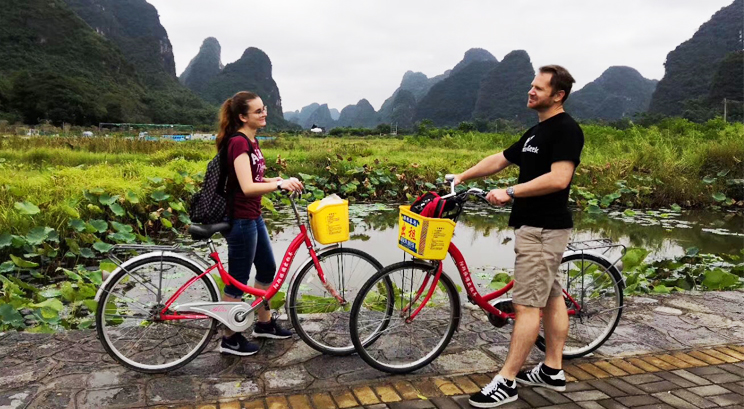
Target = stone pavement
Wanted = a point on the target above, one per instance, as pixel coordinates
(683, 350)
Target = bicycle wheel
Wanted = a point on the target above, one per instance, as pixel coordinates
(597, 287)
(404, 346)
(317, 316)
(126, 315)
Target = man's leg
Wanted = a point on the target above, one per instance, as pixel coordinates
(555, 323)
(524, 335)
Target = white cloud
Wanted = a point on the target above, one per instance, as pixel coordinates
(338, 52)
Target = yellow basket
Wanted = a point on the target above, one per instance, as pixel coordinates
(330, 224)
(424, 237)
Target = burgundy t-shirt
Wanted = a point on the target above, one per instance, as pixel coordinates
(245, 207)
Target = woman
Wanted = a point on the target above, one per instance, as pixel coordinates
(248, 242)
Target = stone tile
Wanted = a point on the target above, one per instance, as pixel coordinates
(705, 357)
(673, 400)
(626, 366)
(723, 378)
(624, 386)
(591, 405)
(728, 399)
(409, 404)
(406, 390)
(254, 404)
(562, 406)
(735, 387)
(674, 361)
(731, 352)
(446, 403)
(734, 369)
(641, 379)
(447, 387)
(283, 379)
(532, 397)
(656, 406)
(171, 390)
(676, 379)
(344, 399)
(691, 377)
(551, 395)
(427, 388)
(577, 373)
(230, 405)
(610, 369)
(121, 397)
(322, 401)
(594, 371)
(586, 395)
(707, 370)
(643, 365)
(45, 400)
(220, 388)
(387, 394)
(659, 363)
(689, 359)
(609, 389)
(465, 384)
(579, 386)
(696, 400)
(723, 357)
(653, 387)
(480, 379)
(611, 404)
(639, 400)
(710, 390)
(365, 395)
(277, 402)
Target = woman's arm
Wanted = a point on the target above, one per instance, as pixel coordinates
(245, 178)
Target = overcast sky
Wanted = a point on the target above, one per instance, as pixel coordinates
(340, 51)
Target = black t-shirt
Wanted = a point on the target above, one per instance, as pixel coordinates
(558, 138)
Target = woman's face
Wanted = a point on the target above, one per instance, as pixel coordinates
(257, 113)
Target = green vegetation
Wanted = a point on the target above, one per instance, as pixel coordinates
(65, 201)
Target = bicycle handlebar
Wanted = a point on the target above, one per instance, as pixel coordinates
(473, 191)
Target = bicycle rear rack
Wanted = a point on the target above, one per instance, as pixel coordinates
(119, 250)
(603, 245)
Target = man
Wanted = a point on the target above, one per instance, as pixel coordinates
(547, 155)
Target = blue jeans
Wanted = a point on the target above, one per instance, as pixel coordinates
(248, 243)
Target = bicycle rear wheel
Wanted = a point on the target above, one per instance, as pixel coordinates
(404, 346)
(319, 318)
(127, 315)
(597, 287)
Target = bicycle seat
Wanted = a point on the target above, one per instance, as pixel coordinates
(206, 231)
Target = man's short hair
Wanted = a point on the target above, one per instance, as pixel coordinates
(561, 80)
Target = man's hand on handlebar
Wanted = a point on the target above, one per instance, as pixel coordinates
(498, 197)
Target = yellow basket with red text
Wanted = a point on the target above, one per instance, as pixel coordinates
(424, 237)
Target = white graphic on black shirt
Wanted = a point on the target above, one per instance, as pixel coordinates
(528, 148)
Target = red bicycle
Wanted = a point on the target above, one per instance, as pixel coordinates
(406, 329)
(159, 310)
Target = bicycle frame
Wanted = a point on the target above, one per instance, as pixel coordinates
(473, 295)
(261, 295)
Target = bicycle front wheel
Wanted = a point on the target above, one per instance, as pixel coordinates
(407, 343)
(127, 315)
(595, 288)
(318, 317)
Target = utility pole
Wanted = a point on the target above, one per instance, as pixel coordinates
(724, 110)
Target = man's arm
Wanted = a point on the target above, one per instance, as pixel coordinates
(486, 167)
(556, 180)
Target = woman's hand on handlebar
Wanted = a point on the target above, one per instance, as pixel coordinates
(292, 185)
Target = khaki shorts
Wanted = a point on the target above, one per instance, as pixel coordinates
(539, 253)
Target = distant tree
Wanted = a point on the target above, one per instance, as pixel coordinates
(466, 126)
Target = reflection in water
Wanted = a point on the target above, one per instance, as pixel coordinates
(487, 242)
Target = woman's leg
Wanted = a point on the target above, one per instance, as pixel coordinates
(241, 251)
(265, 265)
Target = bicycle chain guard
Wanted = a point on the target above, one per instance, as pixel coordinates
(505, 305)
(237, 316)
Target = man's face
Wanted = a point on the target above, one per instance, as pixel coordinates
(539, 97)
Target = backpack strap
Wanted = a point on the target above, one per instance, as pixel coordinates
(223, 172)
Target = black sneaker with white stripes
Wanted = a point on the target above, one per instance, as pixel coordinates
(500, 391)
(538, 377)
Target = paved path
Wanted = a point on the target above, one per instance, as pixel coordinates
(663, 348)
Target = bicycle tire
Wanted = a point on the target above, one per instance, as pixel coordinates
(609, 277)
(108, 321)
(389, 346)
(319, 319)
